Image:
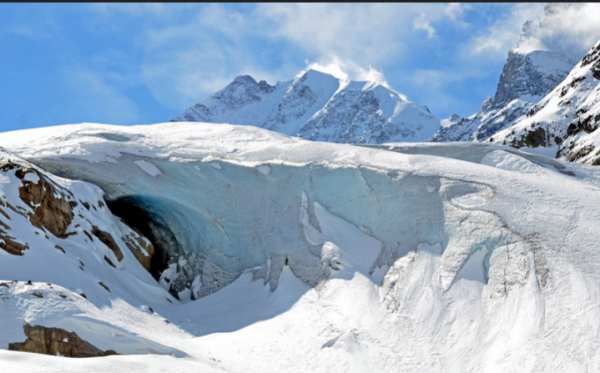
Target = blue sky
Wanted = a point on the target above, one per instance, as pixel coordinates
(144, 63)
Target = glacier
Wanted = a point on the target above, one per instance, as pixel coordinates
(286, 254)
(213, 218)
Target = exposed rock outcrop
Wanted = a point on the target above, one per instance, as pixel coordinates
(141, 248)
(109, 241)
(8, 244)
(50, 208)
(57, 342)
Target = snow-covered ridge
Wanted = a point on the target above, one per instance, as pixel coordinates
(320, 107)
(563, 124)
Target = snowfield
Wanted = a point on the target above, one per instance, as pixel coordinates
(282, 254)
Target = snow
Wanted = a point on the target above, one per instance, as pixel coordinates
(265, 170)
(413, 257)
(33, 177)
(149, 168)
(215, 165)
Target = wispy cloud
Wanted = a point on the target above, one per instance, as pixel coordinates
(421, 23)
(347, 70)
(355, 40)
(177, 54)
(97, 99)
(571, 28)
(502, 35)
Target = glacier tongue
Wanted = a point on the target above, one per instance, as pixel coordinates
(436, 257)
(214, 213)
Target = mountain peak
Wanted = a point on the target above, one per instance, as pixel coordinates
(531, 71)
(319, 106)
(244, 79)
(316, 73)
(565, 122)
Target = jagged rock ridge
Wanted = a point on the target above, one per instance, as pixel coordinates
(564, 123)
(530, 72)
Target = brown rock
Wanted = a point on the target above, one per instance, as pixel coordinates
(89, 235)
(2, 211)
(50, 341)
(109, 261)
(8, 244)
(107, 239)
(49, 211)
(138, 246)
(532, 139)
(104, 286)
(576, 154)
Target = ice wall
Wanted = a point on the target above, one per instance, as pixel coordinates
(218, 219)
(219, 200)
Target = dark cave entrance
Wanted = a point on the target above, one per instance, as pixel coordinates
(135, 212)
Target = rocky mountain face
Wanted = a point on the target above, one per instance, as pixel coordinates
(530, 72)
(319, 107)
(563, 124)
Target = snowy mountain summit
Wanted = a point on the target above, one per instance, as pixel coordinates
(531, 71)
(318, 106)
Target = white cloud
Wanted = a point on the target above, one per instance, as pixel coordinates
(455, 10)
(422, 24)
(185, 61)
(503, 34)
(332, 68)
(348, 70)
(571, 28)
(363, 33)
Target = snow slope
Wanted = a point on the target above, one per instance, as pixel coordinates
(325, 257)
(531, 71)
(320, 107)
(73, 273)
